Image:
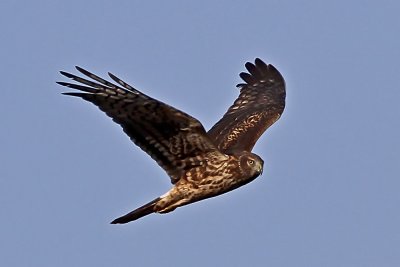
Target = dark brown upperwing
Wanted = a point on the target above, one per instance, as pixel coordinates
(260, 103)
(171, 137)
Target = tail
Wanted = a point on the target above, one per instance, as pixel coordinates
(137, 213)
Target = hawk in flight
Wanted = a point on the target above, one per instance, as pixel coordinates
(200, 164)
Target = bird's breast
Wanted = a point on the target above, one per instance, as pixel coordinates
(214, 178)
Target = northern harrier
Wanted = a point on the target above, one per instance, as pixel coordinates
(200, 164)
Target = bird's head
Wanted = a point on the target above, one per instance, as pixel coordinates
(251, 164)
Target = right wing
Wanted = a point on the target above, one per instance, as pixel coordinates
(260, 103)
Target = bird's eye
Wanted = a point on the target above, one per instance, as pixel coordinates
(251, 162)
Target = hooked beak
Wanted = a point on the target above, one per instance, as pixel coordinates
(260, 169)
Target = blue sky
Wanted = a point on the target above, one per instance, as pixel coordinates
(329, 194)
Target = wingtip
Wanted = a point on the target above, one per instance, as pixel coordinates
(261, 64)
(248, 65)
(240, 85)
(247, 77)
(258, 60)
(259, 71)
(112, 76)
(66, 74)
(272, 67)
(81, 95)
(63, 84)
(83, 71)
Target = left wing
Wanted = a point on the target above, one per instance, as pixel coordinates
(171, 137)
(260, 103)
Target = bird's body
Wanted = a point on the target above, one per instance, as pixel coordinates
(215, 179)
(200, 164)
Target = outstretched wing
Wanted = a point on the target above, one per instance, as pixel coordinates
(171, 137)
(260, 103)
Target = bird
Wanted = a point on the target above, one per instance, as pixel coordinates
(200, 164)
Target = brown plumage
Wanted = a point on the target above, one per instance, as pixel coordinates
(259, 105)
(200, 164)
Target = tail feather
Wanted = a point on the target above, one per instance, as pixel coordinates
(137, 213)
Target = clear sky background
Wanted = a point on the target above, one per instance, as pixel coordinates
(329, 194)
